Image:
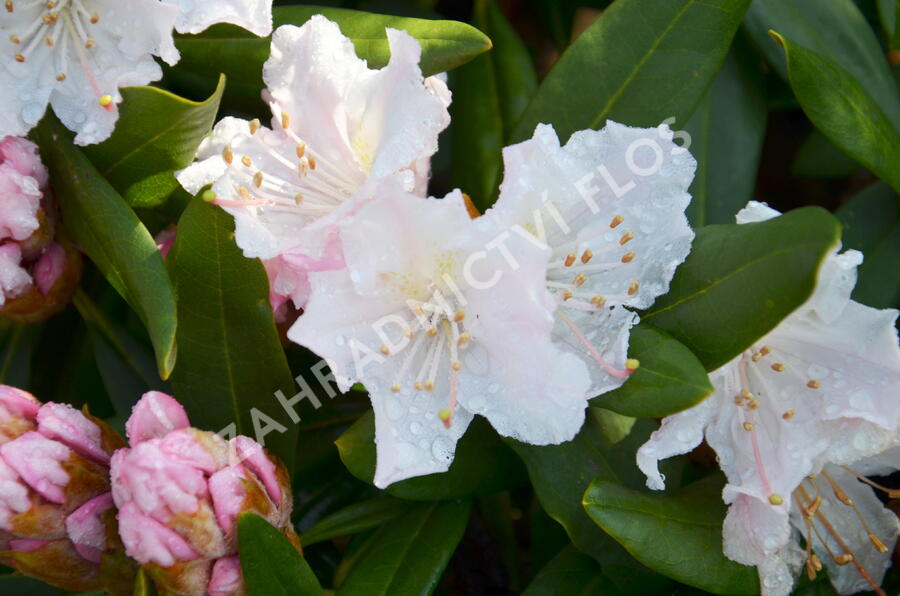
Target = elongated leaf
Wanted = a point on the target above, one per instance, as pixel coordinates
(408, 556)
(230, 358)
(670, 378)
(836, 30)
(872, 225)
(156, 134)
(573, 573)
(740, 280)
(843, 110)
(726, 138)
(678, 535)
(482, 465)
(240, 55)
(639, 63)
(113, 237)
(489, 95)
(270, 564)
(818, 157)
(355, 518)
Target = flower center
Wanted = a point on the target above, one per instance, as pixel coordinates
(54, 25)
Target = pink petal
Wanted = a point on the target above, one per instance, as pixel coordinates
(26, 545)
(18, 403)
(37, 460)
(226, 578)
(72, 428)
(254, 458)
(226, 487)
(148, 541)
(85, 528)
(49, 268)
(154, 416)
(165, 240)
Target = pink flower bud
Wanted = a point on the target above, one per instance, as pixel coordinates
(22, 156)
(165, 240)
(179, 491)
(22, 179)
(14, 280)
(154, 416)
(49, 268)
(18, 411)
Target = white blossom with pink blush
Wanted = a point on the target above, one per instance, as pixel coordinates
(610, 206)
(23, 179)
(438, 329)
(797, 422)
(338, 128)
(75, 54)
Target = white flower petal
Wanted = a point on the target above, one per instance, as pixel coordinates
(754, 530)
(196, 15)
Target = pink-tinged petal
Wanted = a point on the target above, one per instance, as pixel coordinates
(226, 487)
(73, 429)
(148, 541)
(49, 267)
(14, 280)
(754, 529)
(202, 450)
(165, 240)
(86, 529)
(23, 156)
(196, 15)
(226, 578)
(286, 282)
(27, 545)
(13, 495)
(252, 455)
(155, 415)
(20, 199)
(17, 403)
(37, 460)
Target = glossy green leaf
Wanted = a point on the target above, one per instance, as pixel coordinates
(843, 110)
(230, 361)
(837, 31)
(157, 133)
(670, 378)
(489, 95)
(740, 281)
(889, 14)
(240, 54)
(641, 62)
(482, 465)
(408, 556)
(818, 157)
(100, 221)
(355, 518)
(270, 563)
(678, 535)
(872, 225)
(572, 573)
(726, 138)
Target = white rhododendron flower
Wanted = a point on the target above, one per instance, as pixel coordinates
(797, 421)
(337, 128)
(76, 54)
(610, 205)
(438, 328)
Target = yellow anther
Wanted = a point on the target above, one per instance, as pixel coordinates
(778, 367)
(407, 333)
(739, 400)
(632, 364)
(616, 221)
(9, 6)
(105, 100)
(298, 198)
(429, 385)
(567, 294)
(816, 561)
(395, 388)
(95, 18)
(432, 331)
(633, 288)
(285, 120)
(15, 38)
(228, 154)
(755, 357)
(810, 570)
(748, 426)
(48, 40)
(579, 280)
(459, 316)
(586, 255)
(753, 404)
(445, 414)
(418, 385)
(775, 499)
(598, 301)
(89, 42)
(312, 162)
(385, 350)
(841, 496)
(570, 259)
(746, 394)
(247, 161)
(628, 256)
(626, 237)
(764, 350)
(814, 384)
(301, 149)
(254, 126)
(463, 339)
(877, 543)
(19, 57)
(243, 192)
(61, 77)
(788, 415)
(809, 511)
(843, 559)
(257, 179)
(456, 365)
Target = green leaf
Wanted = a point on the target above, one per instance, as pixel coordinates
(843, 110)
(726, 138)
(678, 535)
(669, 380)
(270, 563)
(482, 465)
(837, 31)
(408, 556)
(143, 585)
(489, 95)
(572, 573)
(639, 63)
(113, 237)
(240, 54)
(889, 13)
(871, 222)
(353, 519)
(818, 157)
(157, 133)
(740, 281)
(230, 361)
